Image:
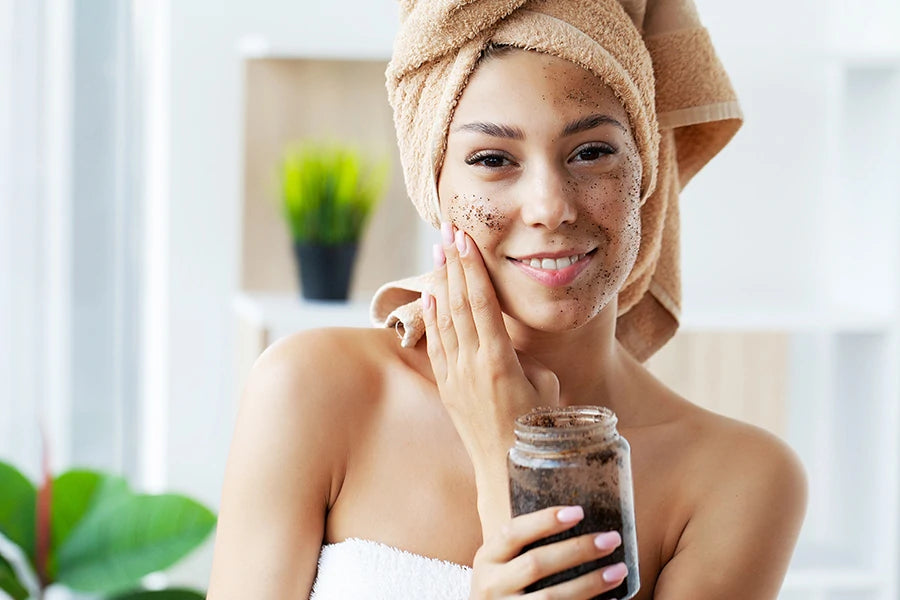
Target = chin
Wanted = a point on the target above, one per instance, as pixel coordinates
(554, 316)
(555, 310)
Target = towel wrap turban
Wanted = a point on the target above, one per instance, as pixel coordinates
(655, 56)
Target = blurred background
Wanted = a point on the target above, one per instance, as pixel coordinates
(144, 262)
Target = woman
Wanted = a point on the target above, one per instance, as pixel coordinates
(541, 177)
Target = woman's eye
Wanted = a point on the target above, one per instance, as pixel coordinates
(589, 153)
(492, 161)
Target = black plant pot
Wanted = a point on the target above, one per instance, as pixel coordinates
(325, 271)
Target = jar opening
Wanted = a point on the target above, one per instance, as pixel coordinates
(571, 417)
(573, 424)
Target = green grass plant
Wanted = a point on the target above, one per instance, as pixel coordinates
(329, 190)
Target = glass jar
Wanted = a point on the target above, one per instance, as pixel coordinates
(575, 456)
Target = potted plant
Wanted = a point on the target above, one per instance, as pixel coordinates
(87, 532)
(328, 193)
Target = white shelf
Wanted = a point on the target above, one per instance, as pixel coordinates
(884, 60)
(285, 313)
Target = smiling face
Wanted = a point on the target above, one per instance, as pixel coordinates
(541, 169)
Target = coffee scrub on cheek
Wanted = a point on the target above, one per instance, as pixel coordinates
(475, 214)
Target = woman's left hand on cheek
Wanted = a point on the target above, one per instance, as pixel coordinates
(480, 377)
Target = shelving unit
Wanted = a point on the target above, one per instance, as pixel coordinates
(852, 527)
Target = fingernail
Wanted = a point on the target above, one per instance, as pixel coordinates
(447, 233)
(437, 253)
(461, 243)
(426, 300)
(615, 573)
(570, 514)
(608, 540)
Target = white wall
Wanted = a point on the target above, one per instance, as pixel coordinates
(206, 164)
(751, 218)
(791, 215)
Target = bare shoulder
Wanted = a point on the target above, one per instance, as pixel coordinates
(318, 347)
(749, 501)
(333, 358)
(738, 454)
(331, 378)
(337, 367)
(306, 397)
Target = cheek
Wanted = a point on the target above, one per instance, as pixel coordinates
(612, 209)
(477, 215)
(610, 202)
(616, 197)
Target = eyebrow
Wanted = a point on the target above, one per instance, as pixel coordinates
(514, 133)
(589, 122)
(493, 129)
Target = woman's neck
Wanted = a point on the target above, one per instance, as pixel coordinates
(590, 363)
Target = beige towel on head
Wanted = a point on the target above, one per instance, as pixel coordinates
(654, 54)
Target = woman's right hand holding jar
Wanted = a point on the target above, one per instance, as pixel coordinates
(485, 385)
(502, 570)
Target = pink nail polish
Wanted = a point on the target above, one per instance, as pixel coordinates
(426, 300)
(447, 233)
(570, 514)
(608, 541)
(615, 573)
(461, 243)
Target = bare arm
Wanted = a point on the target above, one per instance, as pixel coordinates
(280, 476)
(738, 544)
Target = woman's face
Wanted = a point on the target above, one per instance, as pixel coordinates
(541, 168)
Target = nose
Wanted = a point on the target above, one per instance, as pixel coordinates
(548, 199)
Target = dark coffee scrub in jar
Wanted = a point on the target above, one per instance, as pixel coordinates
(575, 456)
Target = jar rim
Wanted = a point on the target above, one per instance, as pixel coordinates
(592, 416)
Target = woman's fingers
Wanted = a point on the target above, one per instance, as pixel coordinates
(506, 569)
(551, 559)
(482, 298)
(436, 353)
(457, 291)
(528, 528)
(433, 339)
(468, 313)
(444, 320)
(584, 587)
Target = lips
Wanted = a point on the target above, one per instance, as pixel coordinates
(554, 269)
(550, 264)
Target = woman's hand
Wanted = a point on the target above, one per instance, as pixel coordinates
(501, 570)
(483, 382)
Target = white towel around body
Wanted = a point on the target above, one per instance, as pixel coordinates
(362, 569)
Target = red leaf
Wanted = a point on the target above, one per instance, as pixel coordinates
(42, 509)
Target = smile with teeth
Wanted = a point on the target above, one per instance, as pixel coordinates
(551, 264)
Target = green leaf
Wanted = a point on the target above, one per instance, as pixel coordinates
(17, 509)
(125, 536)
(9, 581)
(173, 594)
(74, 493)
